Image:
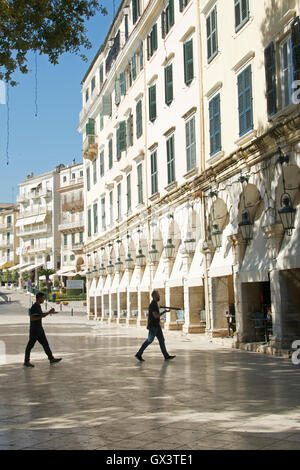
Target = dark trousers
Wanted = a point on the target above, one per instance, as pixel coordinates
(37, 334)
(159, 335)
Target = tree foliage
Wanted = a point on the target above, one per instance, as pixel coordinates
(50, 27)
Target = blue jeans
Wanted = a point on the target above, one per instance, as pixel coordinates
(152, 333)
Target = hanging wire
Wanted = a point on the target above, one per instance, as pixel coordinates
(7, 125)
(36, 85)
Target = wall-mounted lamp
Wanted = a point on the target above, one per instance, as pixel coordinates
(287, 212)
(245, 225)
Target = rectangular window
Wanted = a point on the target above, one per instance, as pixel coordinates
(65, 239)
(188, 62)
(95, 213)
(183, 4)
(190, 144)
(119, 200)
(93, 84)
(212, 35)
(215, 125)
(270, 70)
(286, 72)
(154, 185)
(111, 207)
(89, 222)
(152, 41)
(241, 10)
(86, 95)
(73, 238)
(141, 55)
(169, 84)
(8, 220)
(102, 163)
(295, 36)
(88, 179)
(101, 76)
(122, 83)
(167, 18)
(103, 222)
(95, 171)
(121, 139)
(133, 67)
(128, 180)
(152, 103)
(130, 131)
(140, 183)
(245, 101)
(126, 27)
(139, 123)
(101, 119)
(170, 160)
(135, 10)
(110, 153)
(80, 237)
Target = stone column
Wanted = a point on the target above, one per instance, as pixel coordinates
(170, 323)
(207, 258)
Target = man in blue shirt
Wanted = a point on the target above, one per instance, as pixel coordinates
(154, 328)
(37, 331)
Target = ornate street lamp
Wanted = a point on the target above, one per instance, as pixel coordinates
(287, 214)
(246, 227)
(118, 265)
(190, 244)
(110, 268)
(216, 236)
(169, 249)
(102, 270)
(140, 259)
(129, 262)
(154, 254)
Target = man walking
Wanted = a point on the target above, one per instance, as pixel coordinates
(154, 328)
(37, 331)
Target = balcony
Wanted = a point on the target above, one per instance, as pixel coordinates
(32, 212)
(90, 147)
(6, 244)
(77, 247)
(5, 227)
(31, 229)
(76, 205)
(21, 198)
(46, 193)
(71, 227)
(39, 248)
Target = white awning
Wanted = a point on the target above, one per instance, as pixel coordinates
(107, 285)
(289, 254)
(135, 280)
(92, 289)
(196, 272)
(145, 284)
(255, 267)
(31, 267)
(29, 220)
(115, 283)
(100, 286)
(159, 277)
(223, 260)
(40, 218)
(64, 270)
(19, 223)
(124, 284)
(176, 278)
(18, 266)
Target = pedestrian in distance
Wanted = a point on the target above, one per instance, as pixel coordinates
(154, 328)
(36, 332)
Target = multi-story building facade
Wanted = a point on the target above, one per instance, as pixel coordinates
(185, 108)
(71, 225)
(8, 238)
(37, 222)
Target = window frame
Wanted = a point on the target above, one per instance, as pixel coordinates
(210, 36)
(212, 125)
(243, 115)
(190, 125)
(170, 143)
(243, 21)
(154, 172)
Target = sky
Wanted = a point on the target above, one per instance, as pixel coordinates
(38, 143)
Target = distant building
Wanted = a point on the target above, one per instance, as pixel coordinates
(8, 239)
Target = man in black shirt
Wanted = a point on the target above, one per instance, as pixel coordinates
(37, 332)
(154, 328)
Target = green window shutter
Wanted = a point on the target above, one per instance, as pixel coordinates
(141, 56)
(122, 83)
(134, 11)
(128, 193)
(295, 35)
(101, 119)
(133, 67)
(130, 130)
(152, 103)
(117, 92)
(122, 136)
(170, 160)
(270, 69)
(140, 183)
(95, 213)
(110, 154)
(171, 12)
(102, 163)
(88, 179)
(180, 5)
(212, 34)
(126, 27)
(154, 38)
(163, 27)
(118, 152)
(154, 185)
(90, 127)
(188, 62)
(89, 223)
(139, 124)
(101, 75)
(169, 84)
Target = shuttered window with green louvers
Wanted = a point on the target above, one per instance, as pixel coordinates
(270, 70)
(188, 62)
(122, 83)
(169, 84)
(133, 67)
(152, 103)
(89, 222)
(110, 153)
(139, 122)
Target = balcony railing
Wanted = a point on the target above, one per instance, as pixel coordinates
(71, 226)
(31, 229)
(90, 147)
(38, 248)
(77, 204)
(5, 227)
(77, 247)
(6, 244)
(41, 193)
(30, 212)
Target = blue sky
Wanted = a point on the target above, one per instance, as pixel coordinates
(38, 144)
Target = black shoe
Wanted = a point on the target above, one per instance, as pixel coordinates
(28, 364)
(53, 361)
(169, 357)
(139, 358)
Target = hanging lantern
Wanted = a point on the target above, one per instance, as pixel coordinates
(154, 254)
(94, 270)
(110, 268)
(119, 265)
(216, 236)
(102, 270)
(169, 249)
(140, 259)
(190, 244)
(287, 214)
(246, 227)
(129, 262)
